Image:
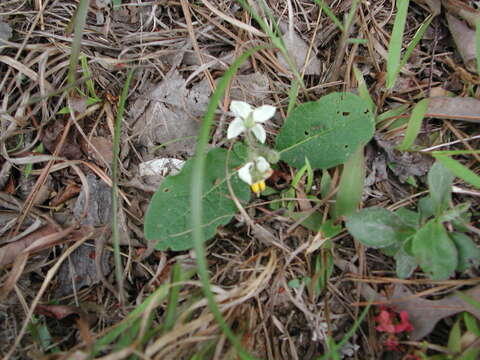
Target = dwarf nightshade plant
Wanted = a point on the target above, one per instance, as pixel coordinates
(420, 238)
(323, 133)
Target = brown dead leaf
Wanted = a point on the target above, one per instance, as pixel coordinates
(9, 252)
(69, 191)
(454, 108)
(60, 312)
(298, 50)
(425, 314)
(435, 6)
(81, 271)
(460, 9)
(52, 135)
(100, 149)
(252, 88)
(171, 115)
(464, 38)
(405, 164)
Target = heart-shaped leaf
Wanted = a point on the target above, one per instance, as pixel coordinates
(167, 221)
(326, 132)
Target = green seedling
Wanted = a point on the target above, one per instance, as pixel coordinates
(421, 238)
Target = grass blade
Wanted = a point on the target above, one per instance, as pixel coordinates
(169, 321)
(395, 46)
(330, 14)
(116, 152)
(350, 189)
(459, 170)
(80, 20)
(414, 124)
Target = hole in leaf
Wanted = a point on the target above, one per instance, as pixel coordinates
(345, 113)
(306, 133)
(345, 146)
(166, 190)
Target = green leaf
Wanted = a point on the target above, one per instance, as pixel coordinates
(454, 338)
(426, 208)
(395, 46)
(409, 217)
(325, 183)
(406, 264)
(350, 189)
(376, 227)
(327, 131)
(455, 213)
(363, 89)
(434, 251)
(471, 324)
(167, 221)
(459, 170)
(470, 354)
(440, 181)
(468, 252)
(414, 124)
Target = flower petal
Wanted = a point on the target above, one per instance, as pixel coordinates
(259, 133)
(244, 173)
(263, 113)
(240, 109)
(262, 165)
(235, 128)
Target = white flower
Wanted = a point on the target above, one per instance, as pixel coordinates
(247, 117)
(255, 171)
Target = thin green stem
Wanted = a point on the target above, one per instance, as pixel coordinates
(116, 154)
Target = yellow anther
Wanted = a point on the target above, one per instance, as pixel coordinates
(258, 187)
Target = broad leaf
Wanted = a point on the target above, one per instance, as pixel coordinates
(406, 264)
(440, 181)
(434, 251)
(468, 252)
(326, 132)
(409, 217)
(377, 227)
(426, 208)
(167, 221)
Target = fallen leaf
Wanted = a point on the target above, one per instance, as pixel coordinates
(68, 192)
(462, 10)
(404, 164)
(423, 314)
(9, 252)
(99, 207)
(464, 38)
(454, 108)
(252, 88)
(171, 116)
(60, 312)
(298, 50)
(100, 149)
(80, 270)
